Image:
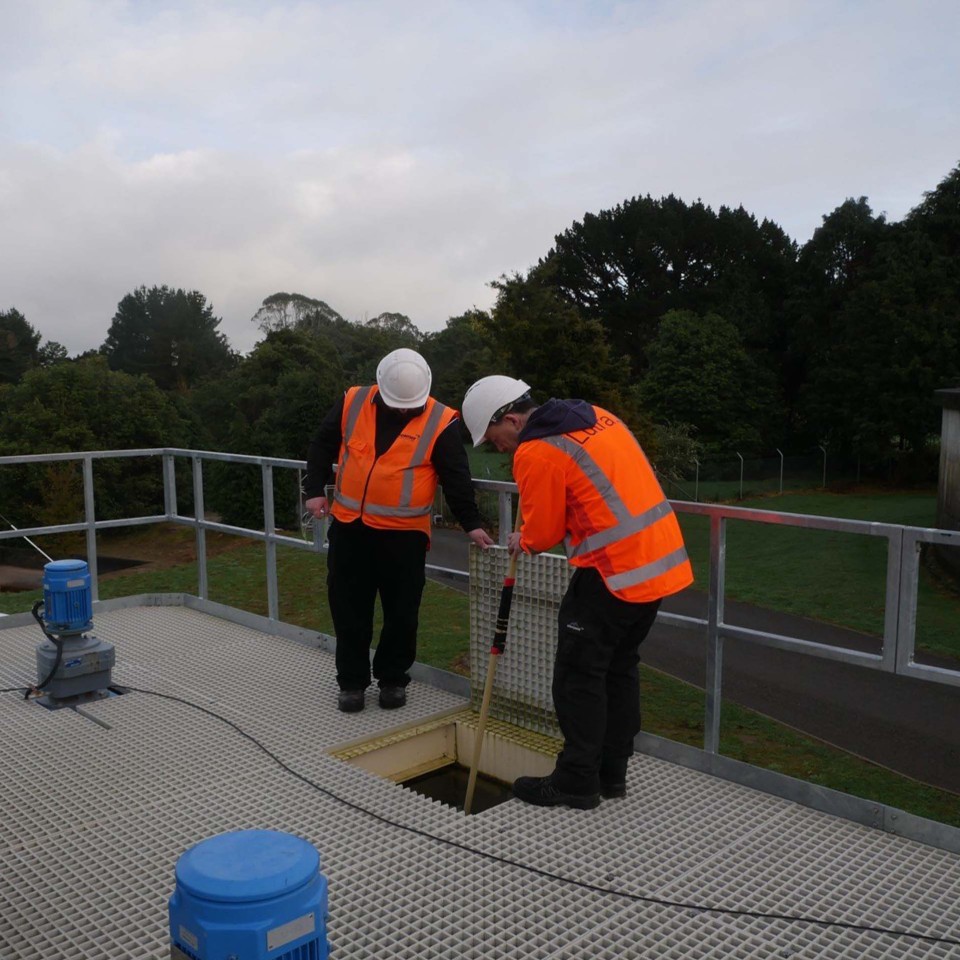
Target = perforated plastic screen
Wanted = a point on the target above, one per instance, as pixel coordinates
(524, 672)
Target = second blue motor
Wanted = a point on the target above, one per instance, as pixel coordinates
(255, 894)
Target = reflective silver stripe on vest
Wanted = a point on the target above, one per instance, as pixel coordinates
(622, 530)
(353, 415)
(419, 455)
(345, 501)
(379, 510)
(630, 578)
(627, 523)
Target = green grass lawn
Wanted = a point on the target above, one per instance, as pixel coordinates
(487, 464)
(838, 578)
(672, 708)
(238, 578)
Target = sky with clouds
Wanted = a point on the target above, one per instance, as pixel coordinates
(397, 156)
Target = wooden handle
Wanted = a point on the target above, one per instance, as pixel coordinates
(499, 640)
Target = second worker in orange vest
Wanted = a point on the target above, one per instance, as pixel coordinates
(394, 443)
(585, 481)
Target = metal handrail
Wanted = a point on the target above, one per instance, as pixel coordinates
(897, 655)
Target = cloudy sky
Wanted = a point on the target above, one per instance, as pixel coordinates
(400, 154)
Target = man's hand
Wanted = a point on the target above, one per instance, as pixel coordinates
(318, 506)
(481, 538)
(513, 543)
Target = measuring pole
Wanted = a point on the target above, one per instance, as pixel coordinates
(496, 649)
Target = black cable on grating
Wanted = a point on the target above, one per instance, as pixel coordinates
(673, 904)
(593, 888)
(56, 641)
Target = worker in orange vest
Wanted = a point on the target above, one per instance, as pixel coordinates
(393, 443)
(584, 480)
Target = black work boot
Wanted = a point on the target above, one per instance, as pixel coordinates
(612, 791)
(392, 697)
(350, 701)
(613, 779)
(541, 792)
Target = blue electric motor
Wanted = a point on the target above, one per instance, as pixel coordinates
(67, 600)
(70, 664)
(249, 894)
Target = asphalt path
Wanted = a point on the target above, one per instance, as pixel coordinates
(911, 726)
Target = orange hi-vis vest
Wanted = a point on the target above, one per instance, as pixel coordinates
(394, 491)
(596, 490)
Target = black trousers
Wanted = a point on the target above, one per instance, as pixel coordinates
(596, 684)
(361, 563)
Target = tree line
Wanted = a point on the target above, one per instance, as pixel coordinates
(705, 329)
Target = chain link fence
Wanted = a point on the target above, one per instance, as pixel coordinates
(735, 477)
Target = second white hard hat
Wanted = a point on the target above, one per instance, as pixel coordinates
(485, 399)
(404, 379)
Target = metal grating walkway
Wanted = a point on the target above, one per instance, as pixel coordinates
(94, 819)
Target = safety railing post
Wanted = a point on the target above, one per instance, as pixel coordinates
(270, 529)
(198, 512)
(169, 486)
(903, 581)
(90, 518)
(714, 677)
(322, 528)
(781, 468)
(904, 596)
(505, 511)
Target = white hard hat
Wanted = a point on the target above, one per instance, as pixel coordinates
(484, 400)
(404, 379)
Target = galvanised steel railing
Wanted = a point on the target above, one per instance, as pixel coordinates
(897, 654)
